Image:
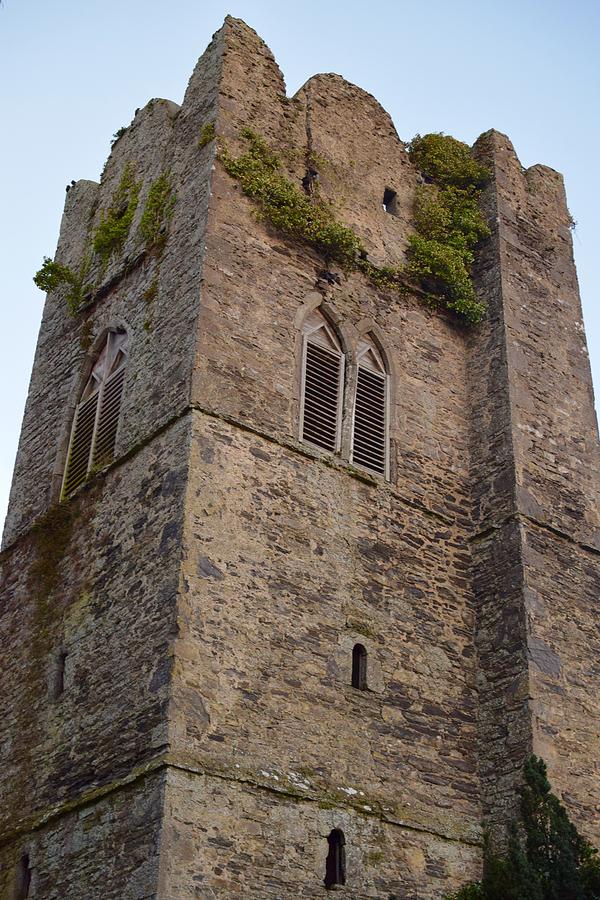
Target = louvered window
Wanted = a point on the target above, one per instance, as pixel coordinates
(94, 431)
(322, 385)
(370, 419)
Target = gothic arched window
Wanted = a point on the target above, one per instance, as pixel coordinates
(94, 430)
(322, 384)
(370, 417)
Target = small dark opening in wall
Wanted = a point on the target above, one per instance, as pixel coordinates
(23, 878)
(359, 667)
(389, 201)
(310, 179)
(335, 864)
(59, 679)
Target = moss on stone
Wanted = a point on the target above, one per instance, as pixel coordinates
(50, 537)
(149, 297)
(362, 628)
(86, 335)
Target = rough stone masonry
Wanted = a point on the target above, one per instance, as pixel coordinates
(206, 589)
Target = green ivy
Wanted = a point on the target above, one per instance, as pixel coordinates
(448, 221)
(207, 135)
(115, 224)
(284, 206)
(447, 161)
(157, 211)
(447, 218)
(53, 275)
(118, 135)
(546, 858)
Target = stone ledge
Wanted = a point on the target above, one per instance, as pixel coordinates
(169, 760)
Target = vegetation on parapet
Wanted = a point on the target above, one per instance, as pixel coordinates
(115, 222)
(111, 234)
(157, 212)
(53, 275)
(546, 858)
(448, 220)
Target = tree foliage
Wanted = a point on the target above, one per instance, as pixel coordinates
(546, 858)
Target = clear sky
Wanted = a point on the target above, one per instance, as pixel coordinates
(73, 71)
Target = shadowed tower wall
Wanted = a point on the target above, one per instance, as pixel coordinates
(209, 585)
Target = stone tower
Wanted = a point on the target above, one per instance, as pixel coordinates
(180, 713)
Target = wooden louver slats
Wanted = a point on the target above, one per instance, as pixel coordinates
(106, 432)
(94, 430)
(321, 406)
(369, 435)
(81, 444)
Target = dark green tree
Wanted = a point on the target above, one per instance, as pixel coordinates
(545, 859)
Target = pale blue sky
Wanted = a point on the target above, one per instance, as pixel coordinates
(73, 72)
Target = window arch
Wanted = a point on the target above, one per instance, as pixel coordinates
(322, 384)
(370, 428)
(96, 419)
(335, 864)
(359, 667)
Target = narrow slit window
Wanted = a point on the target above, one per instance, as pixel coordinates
(370, 428)
(389, 201)
(59, 674)
(322, 385)
(359, 667)
(335, 864)
(23, 885)
(94, 430)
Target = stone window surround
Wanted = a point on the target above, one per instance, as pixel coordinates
(350, 337)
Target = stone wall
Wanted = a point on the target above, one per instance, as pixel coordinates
(108, 849)
(218, 831)
(535, 463)
(103, 591)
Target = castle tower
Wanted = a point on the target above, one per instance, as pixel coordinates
(252, 644)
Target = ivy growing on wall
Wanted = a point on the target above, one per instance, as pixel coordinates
(448, 221)
(115, 222)
(110, 235)
(546, 857)
(53, 275)
(284, 206)
(158, 211)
